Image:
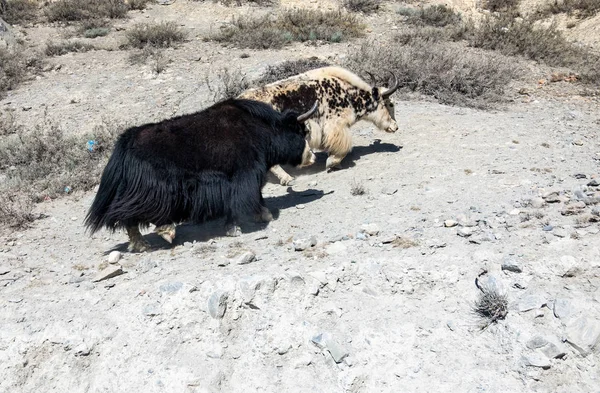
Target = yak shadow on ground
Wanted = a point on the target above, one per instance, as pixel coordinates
(216, 228)
(348, 162)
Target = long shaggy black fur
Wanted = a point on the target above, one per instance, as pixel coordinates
(195, 167)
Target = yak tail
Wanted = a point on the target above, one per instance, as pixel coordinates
(110, 181)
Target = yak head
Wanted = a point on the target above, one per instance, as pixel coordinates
(299, 121)
(381, 111)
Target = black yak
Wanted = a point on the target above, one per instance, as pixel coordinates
(197, 167)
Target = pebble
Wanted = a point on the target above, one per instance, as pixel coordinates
(244, 258)
(300, 206)
(560, 232)
(567, 266)
(536, 342)
(552, 351)
(583, 334)
(304, 243)
(594, 183)
(547, 228)
(217, 304)
(152, 310)
(370, 229)
(464, 231)
(361, 236)
(450, 223)
(114, 257)
(388, 239)
(537, 359)
(110, 272)
(515, 212)
(326, 341)
(389, 191)
(551, 197)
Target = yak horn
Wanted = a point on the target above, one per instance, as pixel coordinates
(305, 116)
(392, 89)
(372, 77)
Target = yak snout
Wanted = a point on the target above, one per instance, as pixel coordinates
(393, 127)
(308, 157)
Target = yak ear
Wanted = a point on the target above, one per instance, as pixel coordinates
(375, 93)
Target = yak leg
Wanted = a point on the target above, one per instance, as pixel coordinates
(231, 227)
(284, 178)
(167, 232)
(338, 141)
(264, 215)
(136, 241)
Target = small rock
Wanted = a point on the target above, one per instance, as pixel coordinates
(536, 203)
(580, 176)
(304, 243)
(389, 191)
(464, 231)
(515, 212)
(583, 334)
(529, 302)
(573, 208)
(451, 325)
(551, 197)
(245, 258)
(388, 239)
(563, 308)
(217, 304)
(171, 287)
(537, 359)
(370, 229)
(336, 248)
(114, 257)
(567, 266)
(511, 265)
(82, 350)
(594, 183)
(300, 206)
(552, 351)
(536, 342)
(361, 236)
(324, 340)
(4, 270)
(547, 228)
(450, 223)
(152, 310)
(559, 232)
(110, 272)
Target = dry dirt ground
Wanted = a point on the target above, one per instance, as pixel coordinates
(383, 301)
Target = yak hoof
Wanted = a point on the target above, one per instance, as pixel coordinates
(288, 181)
(139, 246)
(167, 232)
(264, 216)
(334, 168)
(234, 231)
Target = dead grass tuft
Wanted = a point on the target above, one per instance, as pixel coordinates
(43, 162)
(357, 188)
(501, 5)
(365, 6)
(491, 305)
(62, 48)
(301, 25)
(404, 242)
(437, 15)
(12, 68)
(449, 72)
(578, 8)
(138, 4)
(159, 35)
(231, 83)
(20, 11)
(289, 68)
(75, 10)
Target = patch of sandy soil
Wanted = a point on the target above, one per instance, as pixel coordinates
(382, 302)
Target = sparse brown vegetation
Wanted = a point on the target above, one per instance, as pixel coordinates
(289, 68)
(20, 11)
(39, 163)
(491, 305)
(12, 68)
(62, 48)
(578, 8)
(158, 35)
(437, 15)
(501, 5)
(229, 3)
(138, 4)
(357, 188)
(366, 6)
(451, 73)
(274, 32)
(76, 10)
(230, 84)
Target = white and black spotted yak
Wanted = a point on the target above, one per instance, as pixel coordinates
(197, 167)
(344, 99)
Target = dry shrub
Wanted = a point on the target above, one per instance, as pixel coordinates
(62, 48)
(501, 5)
(288, 26)
(365, 6)
(437, 15)
(75, 10)
(231, 83)
(138, 4)
(20, 11)
(491, 305)
(229, 3)
(357, 188)
(40, 162)
(289, 68)
(579, 8)
(12, 68)
(449, 72)
(158, 35)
